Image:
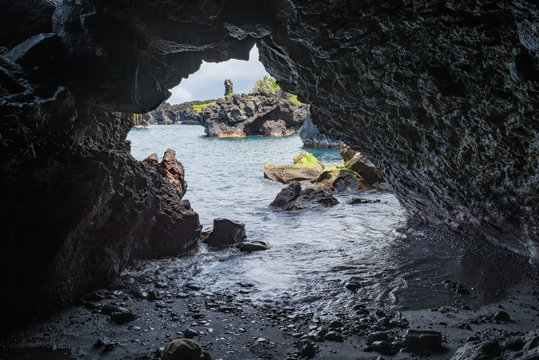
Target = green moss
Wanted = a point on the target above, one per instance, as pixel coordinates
(294, 100)
(267, 84)
(229, 95)
(199, 108)
(306, 159)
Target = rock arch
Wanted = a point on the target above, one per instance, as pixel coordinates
(441, 95)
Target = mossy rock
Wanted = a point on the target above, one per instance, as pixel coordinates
(307, 159)
(339, 178)
(306, 167)
(355, 160)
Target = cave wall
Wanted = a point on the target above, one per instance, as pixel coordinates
(441, 95)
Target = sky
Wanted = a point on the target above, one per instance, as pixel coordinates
(208, 81)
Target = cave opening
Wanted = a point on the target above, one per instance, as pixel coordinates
(109, 244)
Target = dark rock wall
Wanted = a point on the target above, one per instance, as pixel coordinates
(75, 206)
(441, 95)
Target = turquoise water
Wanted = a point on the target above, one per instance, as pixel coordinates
(399, 261)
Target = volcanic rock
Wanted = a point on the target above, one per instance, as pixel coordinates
(311, 136)
(293, 197)
(306, 167)
(355, 161)
(258, 113)
(253, 246)
(226, 233)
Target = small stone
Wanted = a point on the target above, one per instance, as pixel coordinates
(501, 316)
(193, 286)
(334, 336)
(306, 348)
(353, 285)
(377, 336)
(108, 309)
(190, 334)
(383, 347)
(122, 317)
(252, 246)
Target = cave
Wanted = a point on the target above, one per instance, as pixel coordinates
(440, 95)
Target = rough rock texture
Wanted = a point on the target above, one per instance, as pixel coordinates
(440, 95)
(75, 206)
(258, 113)
(524, 347)
(229, 88)
(356, 161)
(341, 179)
(293, 197)
(312, 137)
(166, 114)
(173, 170)
(226, 233)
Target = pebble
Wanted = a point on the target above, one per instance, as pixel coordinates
(383, 347)
(190, 334)
(501, 316)
(334, 336)
(122, 317)
(306, 348)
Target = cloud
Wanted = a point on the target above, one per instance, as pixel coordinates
(208, 81)
(179, 95)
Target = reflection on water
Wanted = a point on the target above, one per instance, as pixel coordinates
(398, 261)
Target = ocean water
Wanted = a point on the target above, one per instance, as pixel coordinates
(399, 261)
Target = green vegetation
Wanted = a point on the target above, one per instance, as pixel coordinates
(229, 95)
(267, 84)
(294, 100)
(306, 159)
(199, 108)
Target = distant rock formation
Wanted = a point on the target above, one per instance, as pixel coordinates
(312, 137)
(229, 88)
(166, 114)
(266, 111)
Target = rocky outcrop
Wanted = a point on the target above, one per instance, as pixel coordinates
(166, 114)
(357, 162)
(306, 167)
(229, 88)
(270, 113)
(515, 347)
(226, 233)
(293, 197)
(311, 136)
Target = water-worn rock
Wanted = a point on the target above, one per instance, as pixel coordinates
(252, 246)
(293, 197)
(184, 349)
(226, 233)
(306, 167)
